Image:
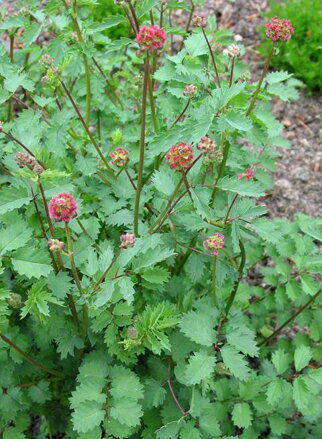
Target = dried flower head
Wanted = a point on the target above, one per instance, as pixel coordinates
(132, 333)
(206, 144)
(214, 242)
(55, 245)
(47, 59)
(279, 29)
(151, 37)
(249, 174)
(199, 20)
(180, 156)
(63, 207)
(24, 159)
(233, 51)
(212, 158)
(15, 300)
(119, 157)
(190, 90)
(127, 240)
(38, 169)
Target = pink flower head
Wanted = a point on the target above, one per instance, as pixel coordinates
(151, 37)
(279, 29)
(249, 174)
(120, 157)
(214, 242)
(55, 245)
(127, 240)
(63, 207)
(206, 144)
(180, 156)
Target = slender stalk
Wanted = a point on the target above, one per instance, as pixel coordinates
(214, 280)
(188, 22)
(101, 279)
(261, 79)
(11, 44)
(231, 72)
(236, 284)
(135, 19)
(76, 277)
(28, 358)
(132, 24)
(183, 412)
(293, 316)
(161, 15)
(107, 82)
(91, 138)
(181, 262)
(142, 147)
(229, 209)
(186, 183)
(185, 108)
(151, 18)
(130, 179)
(212, 56)
(221, 168)
(152, 105)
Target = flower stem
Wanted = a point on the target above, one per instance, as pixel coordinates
(28, 358)
(221, 168)
(11, 44)
(213, 273)
(229, 209)
(152, 105)
(76, 277)
(142, 147)
(103, 276)
(185, 108)
(293, 316)
(231, 72)
(236, 283)
(261, 79)
(212, 57)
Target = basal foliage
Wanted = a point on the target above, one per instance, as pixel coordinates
(207, 323)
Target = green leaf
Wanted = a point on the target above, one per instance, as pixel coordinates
(277, 424)
(163, 181)
(151, 257)
(125, 384)
(280, 359)
(277, 390)
(169, 431)
(40, 393)
(16, 235)
(242, 415)
(241, 186)
(200, 367)
(190, 432)
(87, 416)
(31, 33)
(267, 230)
(235, 362)
(13, 433)
(301, 393)
(199, 326)
(13, 198)
(241, 337)
(309, 285)
(156, 275)
(126, 286)
(274, 77)
(309, 225)
(233, 120)
(154, 393)
(126, 411)
(107, 23)
(302, 357)
(31, 262)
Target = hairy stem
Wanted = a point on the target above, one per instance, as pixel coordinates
(152, 105)
(11, 44)
(14, 139)
(229, 209)
(142, 147)
(261, 79)
(103, 276)
(221, 168)
(185, 108)
(28, 358)
(240, 274)
(213, 278)
(231, 72)
(290, 319)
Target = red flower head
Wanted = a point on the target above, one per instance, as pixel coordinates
(279, 29)
(62, 207)
(120, 157)
(249, 174)
(151, 37)
(127, 240)
(180, 156)
(206, 144)
(214, 242)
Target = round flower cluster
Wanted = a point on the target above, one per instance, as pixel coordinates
(63, 207)
(55, 245)
(199, 21)
(249, 174)
(214, 242)
(127, 240)
(180, 156)
(233, 51)
(206, 144)
(212, 158)
(279, 29)
(24, 159)
(190, 90)
(151, 37)
(119, 157)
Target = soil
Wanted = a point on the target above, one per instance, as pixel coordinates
(298, 180)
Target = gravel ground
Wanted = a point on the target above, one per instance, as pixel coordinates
(298, 182)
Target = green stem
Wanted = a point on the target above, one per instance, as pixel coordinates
(231, 72)
(212, 57)
(236, 284)
(142, 147)
(14, 139)
(76, 277)
(103, 276)
(293, 316)
(261, 79)
(185, 108)
(28, 358)
(152, 105)
(11, 44)
(213, 273)
(229, 209)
